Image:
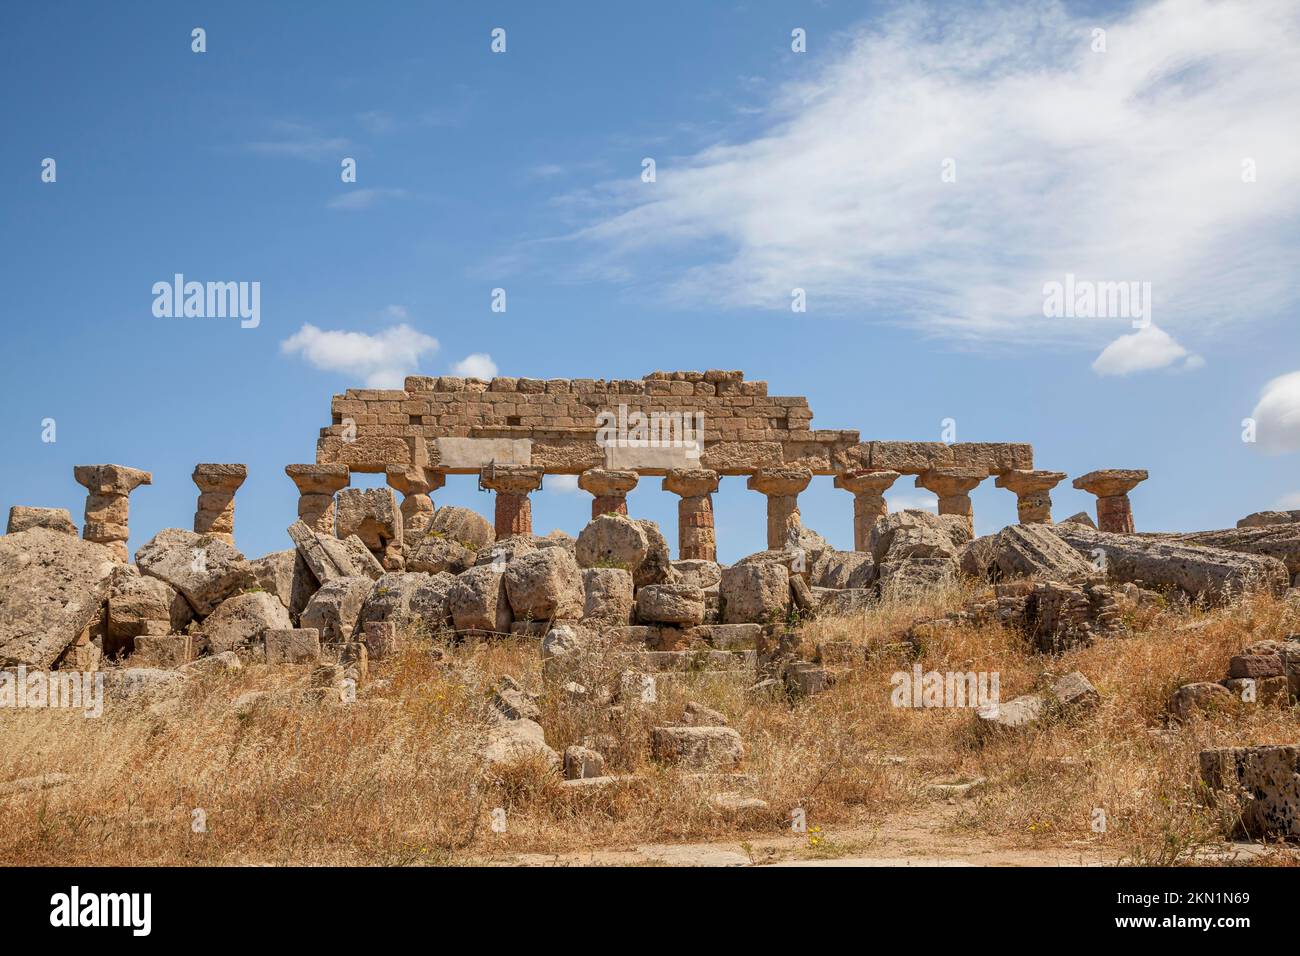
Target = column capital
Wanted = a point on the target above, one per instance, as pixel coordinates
(110, 479)
(691, 482)
(414, 479)
(1111, 482)
(213, 477)
(319, 479)
(606, 483)
(862, 481)
(779, 482)
(1026, 482)
(511, 479)
(948, 482)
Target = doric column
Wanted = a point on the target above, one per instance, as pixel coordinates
(868, 488)
(512, 483)
(415, 484)
(1033, 491)
(610, 489)
(1111, 486)
(317, 485)
(107, 504)
(696, 540)
(953, 486)
(216, 510)
(782, 487)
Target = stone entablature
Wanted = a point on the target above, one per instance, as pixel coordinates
(460, 425)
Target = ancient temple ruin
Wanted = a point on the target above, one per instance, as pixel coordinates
(689, 428)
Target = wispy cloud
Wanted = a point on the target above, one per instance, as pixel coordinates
(384, 359)
(299, 141)
(1067, 161)
(364, 198)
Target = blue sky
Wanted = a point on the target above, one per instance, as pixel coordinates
(522, 170)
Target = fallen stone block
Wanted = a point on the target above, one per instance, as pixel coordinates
(203, 567)
(698, 748)
(1015, 715)
(805, 679)
(1257, 662)
(1201, 697)
(1198, 571)
(372, 514)
(328, 558)
(22, 517)
(582, 763)
(239, 623)
(299, 645)
(335, 609)
(1075, 692)
(274, 573)
(670, 604)
(755, 593)
(478, 600)
(1265, 784)
(515, 741)
(545, 585)
(52, 588)
(607, 597)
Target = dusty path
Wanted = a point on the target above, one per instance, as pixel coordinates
(916, 838)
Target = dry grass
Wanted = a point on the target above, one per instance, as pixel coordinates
(395, 778)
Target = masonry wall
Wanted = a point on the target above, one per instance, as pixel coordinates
(460, 424)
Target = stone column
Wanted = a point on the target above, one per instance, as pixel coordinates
(868, 488)
(953, 486)
(415, 484)
(107, 504)
(316, 487)
(1033, 491)
(782, 487)
(696, 540)
(512, 483)
(216, 510)
(610, 489)
(1111, 486)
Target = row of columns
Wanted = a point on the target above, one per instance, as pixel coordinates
(109, 487)
(696, 534)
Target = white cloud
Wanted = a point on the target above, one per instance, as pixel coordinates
(477, 365)
(1143, 351)
(364, 198)
(565, 484)
(384, 359)
(1289, 502)
(1117, 166)
(1277, 416)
